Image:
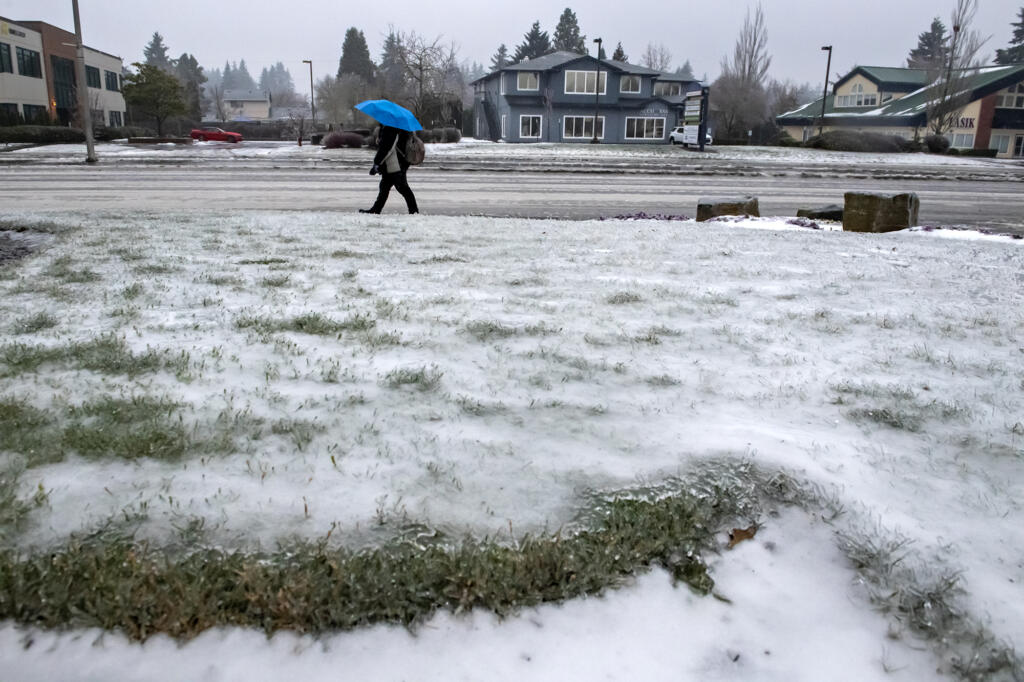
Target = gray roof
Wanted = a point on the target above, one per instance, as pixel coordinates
(556, 59)
(247, 95)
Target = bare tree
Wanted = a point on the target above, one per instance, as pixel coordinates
(432, 71)
(217, 100)
(950, 91)
(657, 57)
(738, 98)
(337, 97)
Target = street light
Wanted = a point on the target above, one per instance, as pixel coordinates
(828, 67)
(597, 88)
(312, 104)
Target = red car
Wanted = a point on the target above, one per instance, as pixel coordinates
(215, 134)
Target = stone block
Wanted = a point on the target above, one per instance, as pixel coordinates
(879, 212)
(830, 212)
(712, 208)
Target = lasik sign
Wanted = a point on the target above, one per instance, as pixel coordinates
(967, 123)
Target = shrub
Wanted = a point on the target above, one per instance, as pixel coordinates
(937, 144)
(437, 134)
(339, 139)
(986, 153)
(854, 141)
(786, 140)
(452, 134)
(41, 134)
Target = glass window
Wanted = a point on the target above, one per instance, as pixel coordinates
(92, 76)
(668, 88)
(1001, 143)
(112, 82)
(6, 66)
(9, 114)
(582, 82)
(529, 126)
(963, 140)
(582, 128)
(504, 126)
(35, 113)
(115, 119)
(629, 84)
(29, 63)
(645, 128)
(529, 80)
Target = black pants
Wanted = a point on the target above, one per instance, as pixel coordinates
(398, 181)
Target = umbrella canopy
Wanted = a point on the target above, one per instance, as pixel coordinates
(390, 114)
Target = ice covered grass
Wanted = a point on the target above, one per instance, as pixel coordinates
(482, 150)
(461, 376)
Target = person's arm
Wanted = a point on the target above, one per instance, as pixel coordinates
(385, 142)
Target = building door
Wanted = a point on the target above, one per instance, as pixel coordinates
(64, 88)
(1018, 146)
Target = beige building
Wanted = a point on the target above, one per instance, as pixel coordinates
(894, 101)
(41, 73)
(22, 83)
(247, 105)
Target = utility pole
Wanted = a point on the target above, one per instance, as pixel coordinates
(83, 88)
(312, 104)
(597, 89)
(828, 67)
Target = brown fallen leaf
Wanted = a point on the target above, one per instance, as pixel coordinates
(738, 535)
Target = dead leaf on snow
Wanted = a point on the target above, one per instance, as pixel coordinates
(738, 535)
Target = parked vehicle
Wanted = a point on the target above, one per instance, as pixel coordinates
(687, 135)
(215, 135)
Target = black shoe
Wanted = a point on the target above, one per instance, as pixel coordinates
(368, 210)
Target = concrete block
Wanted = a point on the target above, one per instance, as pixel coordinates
(712, 208)
(879, 212)
(830, 212)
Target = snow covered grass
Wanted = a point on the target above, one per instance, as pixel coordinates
(469, 149)
(448, 399)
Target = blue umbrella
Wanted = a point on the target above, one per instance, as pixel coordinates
(390, 114)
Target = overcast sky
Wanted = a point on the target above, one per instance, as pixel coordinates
(867, 32)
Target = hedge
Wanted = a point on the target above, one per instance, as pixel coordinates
(41, 134)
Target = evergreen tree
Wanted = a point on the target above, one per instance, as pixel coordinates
(278, 82)
(229, 80)
(391, 71)
(191, 77)
(567, 34)
(355, 56)
(245, 80)
(1015, 53)
(156, 53)
(619, 55)
(535, 44)
(932, 47)
(500, 59)
(686, 71)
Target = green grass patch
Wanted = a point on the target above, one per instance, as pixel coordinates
(154, 269)
(307, 323)
(347, 253)
(132, 291)
(115, 584)
(43, 226)
(423, 378)
(132, 428)
(108, 354)
(442, 258)
(895, 406)
(263, 261)
(62, 269)
(223, 280)
(623, 297)
(276, 280)
(35, 323)
(485, 330)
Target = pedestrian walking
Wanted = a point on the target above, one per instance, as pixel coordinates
(391, 163)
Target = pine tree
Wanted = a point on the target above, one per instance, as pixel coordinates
(535, 44)
(686, 71)
(156, 53)
(245, 80)
(355, 56)
(567, 34)
(228, 77)
(932, 47)
(1015, 53)
(278, 82)
(619, 55)
(390, 73)
(500, 59)
(191, 77)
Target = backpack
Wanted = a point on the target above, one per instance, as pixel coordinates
(414, 150)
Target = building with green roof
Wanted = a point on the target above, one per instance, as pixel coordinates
(894, 101)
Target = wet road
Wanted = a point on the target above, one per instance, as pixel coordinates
(946, 199)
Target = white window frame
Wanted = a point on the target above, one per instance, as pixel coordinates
(540, 126)
(536, 79)
(602, 83)
(504, 126)
(1011, 98)
(501, 83)
(584, 136)
(629, 78)
(858, 98)
(646, 120)
(961, 140)
(1001, 143)
(673, 89)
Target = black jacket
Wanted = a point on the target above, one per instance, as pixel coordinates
(385, 140)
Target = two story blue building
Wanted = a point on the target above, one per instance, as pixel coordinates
(553, 99)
